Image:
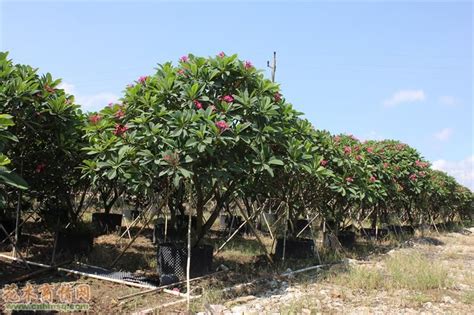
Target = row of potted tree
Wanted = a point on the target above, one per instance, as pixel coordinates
(207, 134)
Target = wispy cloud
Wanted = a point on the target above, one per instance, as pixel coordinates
(90, 102)
(449, 101)
(444, 134)
(405, 96)
(462, 170)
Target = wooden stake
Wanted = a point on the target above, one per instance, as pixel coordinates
(235, 233)
(188, 263)
(14, 247)
(254, 231)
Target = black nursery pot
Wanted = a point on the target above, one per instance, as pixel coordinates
(295, 248)
(172, 234)
(172, 259)
(301, 224)
(346, 238)
(74, 242)
(9, 225)
(106, 222)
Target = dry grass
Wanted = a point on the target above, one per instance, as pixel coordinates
(411, 271)
(360, 278)
(414, 271)
(468, 297)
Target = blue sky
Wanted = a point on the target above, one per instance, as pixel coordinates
(374, 69)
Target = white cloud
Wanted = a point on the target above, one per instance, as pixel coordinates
(462, 170)
(405, 96)
(444, 134)
(449, 101)
(91, 102)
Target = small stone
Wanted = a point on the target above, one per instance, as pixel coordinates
(447, 299)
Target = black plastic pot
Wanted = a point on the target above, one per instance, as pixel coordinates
(106, 222)
(370, 233)
(346, 238)
(271, 218)
(172, 234)
(74, 242)
(295, 248)
(172, 259)
(9, 225)
(301, 224)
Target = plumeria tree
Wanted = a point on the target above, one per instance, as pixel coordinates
(47, 153)
(214, 125)
(8, 178)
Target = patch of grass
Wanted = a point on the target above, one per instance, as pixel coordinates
(414, 271)
(420, 298)
(468, 297)
(210, 295)
(360, 278)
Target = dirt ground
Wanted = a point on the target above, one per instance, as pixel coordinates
(314, 293)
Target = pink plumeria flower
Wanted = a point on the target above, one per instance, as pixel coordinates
(349, 179)
(370, 150)
(221, 54)
(142, 79)
(347, 150)
(197, 104)
(323, 163)
(372, 179)
(228, 98)
(222, 125)
(247, 64)
(277, 97)
(184, 59)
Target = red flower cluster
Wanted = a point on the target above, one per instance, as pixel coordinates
(277, 97)
(197, 104)
(370, 150)
(359, 157)
(184, 59)
(120, 114)
(222, 125)
(120, 129)
(349, 179)
(94, 119)
(347, 150)
(372, 179)
(221, 54)
(248, 65)
(421, 164)
(142, 79)
(413, 177)
(324, 162)
(228, 98)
